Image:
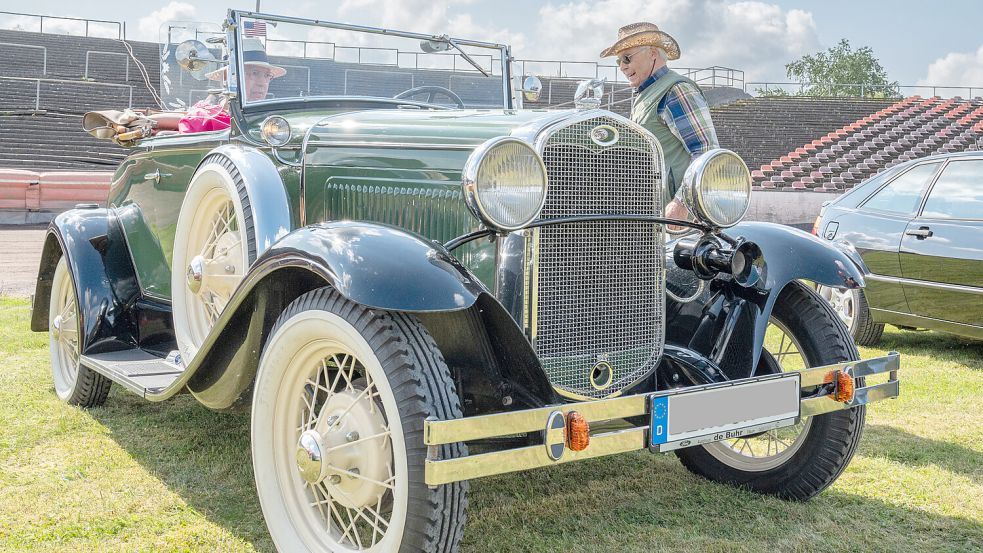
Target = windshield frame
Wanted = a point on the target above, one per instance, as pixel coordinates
(234, 74)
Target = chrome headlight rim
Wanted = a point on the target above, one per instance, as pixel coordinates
(469, 181)
(268, 135)
(692, 188)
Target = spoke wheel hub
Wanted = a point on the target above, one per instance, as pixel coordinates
(348, 450)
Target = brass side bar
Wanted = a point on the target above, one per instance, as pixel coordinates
(862, 396)
(512, 460)
(531, 420)
(889, 363)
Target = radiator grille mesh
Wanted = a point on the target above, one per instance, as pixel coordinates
(600, 293)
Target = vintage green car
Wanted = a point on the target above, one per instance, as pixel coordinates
(412, 283)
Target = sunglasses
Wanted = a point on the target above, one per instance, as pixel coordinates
(626, 58)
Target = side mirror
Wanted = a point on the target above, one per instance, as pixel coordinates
(194, 57)
(532, 88)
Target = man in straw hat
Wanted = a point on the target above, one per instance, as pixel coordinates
(669, 105)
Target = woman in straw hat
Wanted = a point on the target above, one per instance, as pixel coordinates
(669, 105)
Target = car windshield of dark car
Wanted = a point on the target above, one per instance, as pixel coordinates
(303, 61)
(958, 194)
(903, 194)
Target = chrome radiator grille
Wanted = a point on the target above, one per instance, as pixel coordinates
(599, 287)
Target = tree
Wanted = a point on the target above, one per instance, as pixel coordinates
(840, 71)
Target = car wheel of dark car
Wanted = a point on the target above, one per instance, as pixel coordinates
(214, 245)
(852, 308)
(337, 431)
(74, 383)
(799, 461)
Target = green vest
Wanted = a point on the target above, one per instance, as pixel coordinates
(645, 113)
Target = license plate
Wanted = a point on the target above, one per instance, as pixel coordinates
(693, 416)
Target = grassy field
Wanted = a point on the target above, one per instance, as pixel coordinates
(138, 476)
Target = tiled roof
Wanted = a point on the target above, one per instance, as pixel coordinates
(911, 128)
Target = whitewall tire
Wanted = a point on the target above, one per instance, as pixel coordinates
(338, 408)
(214, 245)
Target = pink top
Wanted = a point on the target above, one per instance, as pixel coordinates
(204, 116)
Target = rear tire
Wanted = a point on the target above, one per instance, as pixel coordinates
(807, 462)
(852, 308)
(75, 383)
(339, 404)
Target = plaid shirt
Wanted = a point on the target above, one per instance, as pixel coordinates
(684, 110)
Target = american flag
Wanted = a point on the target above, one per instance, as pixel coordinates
(254, 28)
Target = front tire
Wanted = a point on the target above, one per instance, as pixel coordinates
(75, 383)
(800, 461)
(337, 431)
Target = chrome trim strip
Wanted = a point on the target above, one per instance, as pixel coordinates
(927, 284)
(487, 464)
(889, 363)
(862, 396)
(400, 145)
(501, 424)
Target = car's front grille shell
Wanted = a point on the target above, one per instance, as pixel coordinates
(599, 287)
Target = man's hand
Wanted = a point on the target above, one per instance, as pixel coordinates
(676, 210)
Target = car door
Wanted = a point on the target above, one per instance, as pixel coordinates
(942, 249)
(875, 229)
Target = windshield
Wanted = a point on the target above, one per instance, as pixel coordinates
(285, 58)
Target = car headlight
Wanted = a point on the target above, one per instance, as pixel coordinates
(505, 183)
(275, 131)
(717, 188)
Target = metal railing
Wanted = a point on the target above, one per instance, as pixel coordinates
(120, 27)
(712, 76)
(859, 90)
(126, 61)
(39, 82)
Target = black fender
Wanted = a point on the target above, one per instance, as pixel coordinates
(371, 264)
(728, 323)
(105, 281)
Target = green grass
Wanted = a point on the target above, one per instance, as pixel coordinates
(139, 476)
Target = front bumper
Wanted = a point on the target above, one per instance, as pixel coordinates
(444, 471)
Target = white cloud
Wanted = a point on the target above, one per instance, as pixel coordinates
(149, 27)
(753, 36)
(956, 69)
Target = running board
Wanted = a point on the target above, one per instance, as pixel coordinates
(135, 369)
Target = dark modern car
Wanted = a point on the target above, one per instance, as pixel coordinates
(919, 228)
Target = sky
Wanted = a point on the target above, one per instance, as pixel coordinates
(917, 42)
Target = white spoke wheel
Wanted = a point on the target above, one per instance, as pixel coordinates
(337, 443)
(800, 461)
(74, 383)
(851, 307)
(214, 245)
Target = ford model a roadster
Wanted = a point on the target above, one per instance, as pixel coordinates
(413, 284)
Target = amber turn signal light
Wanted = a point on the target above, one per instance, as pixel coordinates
(844, 389)
(578, 431)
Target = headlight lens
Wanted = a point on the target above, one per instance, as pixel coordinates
(505, 183)
(275, 131)
(717, 188)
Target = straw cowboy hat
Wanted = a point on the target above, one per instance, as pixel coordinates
(253, 53)
(643, 34)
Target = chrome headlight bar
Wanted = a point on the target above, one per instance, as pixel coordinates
(505, 183)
